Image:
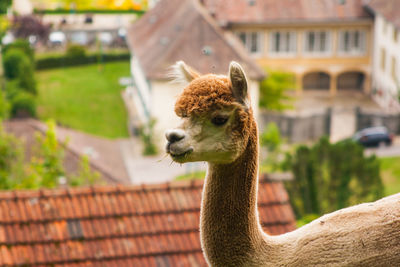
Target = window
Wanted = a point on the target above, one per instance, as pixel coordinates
(251, 40)
(383, 58)
(352, 42)
(283, 42)
(394, 68)
(317, 42)
(384, 26)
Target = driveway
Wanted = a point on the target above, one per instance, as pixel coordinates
(384, 152)
(152, 169)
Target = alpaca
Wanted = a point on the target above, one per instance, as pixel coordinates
(218, 127)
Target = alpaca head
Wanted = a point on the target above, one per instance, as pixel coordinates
(215, 117)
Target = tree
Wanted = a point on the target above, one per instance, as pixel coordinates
(4, 5)
(329, 176)
(25, 26)
(271, 140)
(273, 90)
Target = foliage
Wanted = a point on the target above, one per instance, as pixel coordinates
(4, 24)
(146, 133)
(91, 102)
(11, 158)
(271, 140)
(26, 78)
(89, 11)
(4, 4)
(332, 176)
(273, 90)
(61, 61)
(12, 61)
(44, 169)
(47, 165)
(20, 44)
(197, 175)
(25, 26)
(4, 106)
(20, 85)
(93, 6)
(23, 105)
(390, 171)
(85, 175)
(75, 51)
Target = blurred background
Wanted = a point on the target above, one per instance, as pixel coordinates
(86, 98)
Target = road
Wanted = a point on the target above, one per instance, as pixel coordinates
(389, 151)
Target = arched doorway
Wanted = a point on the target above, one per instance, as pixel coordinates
(352, 80)
(316, 81)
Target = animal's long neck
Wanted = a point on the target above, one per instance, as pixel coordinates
(229, 219)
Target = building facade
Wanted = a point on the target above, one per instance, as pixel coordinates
(386, 52)
(326, 44)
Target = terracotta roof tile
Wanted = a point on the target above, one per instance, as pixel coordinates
(183, 30)
(153, 225)
(286, 11)
(389, 9)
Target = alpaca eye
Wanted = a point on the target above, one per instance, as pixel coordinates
(219, 120)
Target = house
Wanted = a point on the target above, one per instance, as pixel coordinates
(386, 52)
(155, 225)
(104, 155)
(327, 44)
(83, 23)
(178, 30)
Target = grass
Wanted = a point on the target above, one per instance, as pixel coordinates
(198, 175)
(390, 173)
(85, 98)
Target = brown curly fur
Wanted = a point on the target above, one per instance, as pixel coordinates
(208, 92)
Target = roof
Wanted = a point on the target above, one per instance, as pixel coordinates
(105, 155)
(285, 11)
(389, 9)
(148, 225)
(183, 30)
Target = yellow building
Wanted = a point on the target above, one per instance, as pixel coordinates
(327, 44)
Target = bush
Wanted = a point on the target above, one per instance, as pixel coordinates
(64, 61)
(21, 45)
(273, 90)
(75, 51)
(23, 105)
(146, 133)
(12, 61)
(25, 77)
(4, 106)
(332, 176)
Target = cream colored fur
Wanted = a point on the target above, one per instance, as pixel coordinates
(231, 235)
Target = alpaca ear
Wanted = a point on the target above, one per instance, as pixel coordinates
(239, 83)
(182, 73)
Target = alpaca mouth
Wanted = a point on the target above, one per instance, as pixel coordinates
(181, 155)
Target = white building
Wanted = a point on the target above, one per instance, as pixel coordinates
(386, 52)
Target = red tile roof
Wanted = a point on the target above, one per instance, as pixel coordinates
(148, 225)
(183, 30)
(285, 11)
(389, 9)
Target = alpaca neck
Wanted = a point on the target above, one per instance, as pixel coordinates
(229, 219)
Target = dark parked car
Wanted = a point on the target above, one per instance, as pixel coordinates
(374, 136)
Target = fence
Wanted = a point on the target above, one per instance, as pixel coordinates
(299, 128)
(366, 118)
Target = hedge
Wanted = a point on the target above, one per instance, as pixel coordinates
(66, 61)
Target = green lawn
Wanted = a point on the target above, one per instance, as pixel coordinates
(390, 172)
(85, 98)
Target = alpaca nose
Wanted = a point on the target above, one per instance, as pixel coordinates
(174, 135)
